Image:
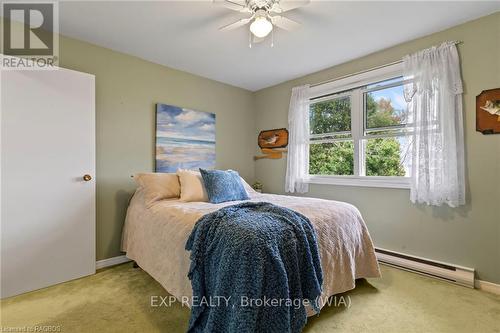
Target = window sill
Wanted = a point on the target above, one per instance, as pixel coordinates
(387, 182)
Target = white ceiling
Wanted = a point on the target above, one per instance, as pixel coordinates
(184, 34)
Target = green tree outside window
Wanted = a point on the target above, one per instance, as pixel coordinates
(337, 158)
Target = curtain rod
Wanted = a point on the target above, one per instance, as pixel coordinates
(366, 70)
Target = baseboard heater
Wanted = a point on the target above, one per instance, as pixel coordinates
(456, 274)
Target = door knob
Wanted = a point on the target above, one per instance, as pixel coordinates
(87, 178)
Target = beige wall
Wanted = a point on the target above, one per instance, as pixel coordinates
(127, 89)
(468, 236)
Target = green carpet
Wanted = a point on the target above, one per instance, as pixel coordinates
(118, 299)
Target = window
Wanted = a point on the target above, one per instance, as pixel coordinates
(331, 148)
(359, 131)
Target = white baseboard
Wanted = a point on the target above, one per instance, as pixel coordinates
(488, 286)
(111, 261)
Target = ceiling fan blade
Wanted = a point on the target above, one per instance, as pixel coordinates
(239, 6)
(284, 22)
(286, 5)
(236, 24)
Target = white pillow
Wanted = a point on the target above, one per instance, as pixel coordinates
(158, 186)
(247, 187)
(192, 188)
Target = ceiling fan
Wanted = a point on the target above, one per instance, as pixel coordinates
(264, 16)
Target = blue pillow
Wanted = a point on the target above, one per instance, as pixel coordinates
(223, 186)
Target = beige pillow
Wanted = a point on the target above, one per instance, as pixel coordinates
(192, 188)
(158, 186)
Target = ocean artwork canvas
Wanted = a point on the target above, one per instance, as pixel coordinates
(185, 139)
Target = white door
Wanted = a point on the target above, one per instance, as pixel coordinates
(47, 208)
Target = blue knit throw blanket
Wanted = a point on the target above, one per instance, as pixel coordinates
(253, 268)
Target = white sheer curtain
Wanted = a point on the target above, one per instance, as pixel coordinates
(434, 93)
(298, 142)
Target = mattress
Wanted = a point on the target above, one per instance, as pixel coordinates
(155, 238)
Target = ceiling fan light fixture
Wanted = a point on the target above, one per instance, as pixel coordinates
(261, 27)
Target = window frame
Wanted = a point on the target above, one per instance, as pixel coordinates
(354, 86)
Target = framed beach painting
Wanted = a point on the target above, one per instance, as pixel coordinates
(185, 139)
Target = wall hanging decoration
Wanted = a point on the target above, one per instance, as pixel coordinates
(185, 139)
(271, 141)
(488, 111)
(276, 138)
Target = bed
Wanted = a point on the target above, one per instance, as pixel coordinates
(155, 237)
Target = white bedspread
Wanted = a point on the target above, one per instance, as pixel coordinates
(155, 238)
